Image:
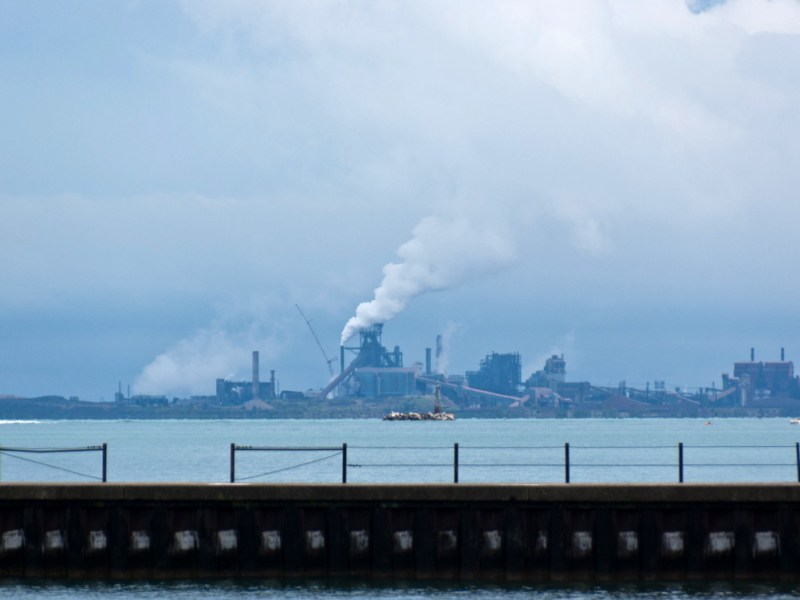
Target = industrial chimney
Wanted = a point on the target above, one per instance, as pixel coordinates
(783, 355)
(438, 353)
(752, 355)
(427, 361)
(256, 386)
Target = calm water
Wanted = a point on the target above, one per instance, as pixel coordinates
(624, 450)
(395, 591)
(602, 450)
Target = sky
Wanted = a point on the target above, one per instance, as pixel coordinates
(614, 180)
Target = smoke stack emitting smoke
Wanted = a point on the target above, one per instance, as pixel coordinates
(441, 253)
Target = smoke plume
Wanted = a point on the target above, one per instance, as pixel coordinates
(191, 365)
(441, 253)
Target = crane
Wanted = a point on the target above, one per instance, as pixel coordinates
(330, 361)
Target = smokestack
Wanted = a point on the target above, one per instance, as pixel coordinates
(438, 353)
(256, 390)
(273, 391)
(783, 355)
(341, 360)
(752, 355)
(427, 361)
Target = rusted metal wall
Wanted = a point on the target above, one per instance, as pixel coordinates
(511, 532)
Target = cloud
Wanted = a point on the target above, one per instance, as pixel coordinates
(285, 149)
(460, 85)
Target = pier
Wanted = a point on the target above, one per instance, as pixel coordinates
(514, 532)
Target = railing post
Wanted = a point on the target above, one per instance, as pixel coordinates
(680, 462)
(566, 462)
(105, 461)
(797, 457)
(455, 462)
(233, 463)
(344, 463)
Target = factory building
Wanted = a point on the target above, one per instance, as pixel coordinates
(238, 392)
(553, 377)
(375, 371)
(498, 373)
(371, 382)
(553, 374)
(757, 382)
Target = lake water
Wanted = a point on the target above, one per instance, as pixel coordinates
(520, 451)
(600, 450)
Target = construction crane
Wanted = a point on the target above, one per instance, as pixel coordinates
(330, 361)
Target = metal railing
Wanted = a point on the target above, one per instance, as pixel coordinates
(337, 451)
(103, 448)
(546, 458)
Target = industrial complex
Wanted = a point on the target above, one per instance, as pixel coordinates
(372, 376)
(373, 380)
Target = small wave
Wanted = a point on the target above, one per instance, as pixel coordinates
(18, 422)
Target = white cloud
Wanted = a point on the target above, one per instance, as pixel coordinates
(288, 149)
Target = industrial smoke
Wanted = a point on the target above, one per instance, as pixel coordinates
(442, 252)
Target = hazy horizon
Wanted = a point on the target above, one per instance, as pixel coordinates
(608, 179)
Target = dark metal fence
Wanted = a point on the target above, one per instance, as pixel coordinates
(337, 451)
(103, 448)
(543, 459)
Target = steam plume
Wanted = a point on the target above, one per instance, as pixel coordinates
(191, 365)
(441, 253)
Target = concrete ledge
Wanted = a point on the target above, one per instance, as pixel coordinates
(451, 493)
(451, 531)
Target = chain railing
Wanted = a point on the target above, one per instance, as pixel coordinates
(541, 459)
(103, 448)
(337, 451)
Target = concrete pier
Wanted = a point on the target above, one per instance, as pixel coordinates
(451, 531)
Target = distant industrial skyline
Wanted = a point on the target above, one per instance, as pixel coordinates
(608, 179)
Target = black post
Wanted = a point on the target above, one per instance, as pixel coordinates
(797, 456)
(680, 462)
(233, 463)
(105, 461)
(344, 463)
(455, 462)
(566, 462)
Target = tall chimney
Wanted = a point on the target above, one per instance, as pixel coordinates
(752, 355)
(341, 359)
(438, 353)
(427, 361)
(256, 390)
(783, 355)
(273, 392)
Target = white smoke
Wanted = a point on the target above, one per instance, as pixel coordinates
(191, 366)
(442, 252)
(443, 359)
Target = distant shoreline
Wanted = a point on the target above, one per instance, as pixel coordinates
(58, 408)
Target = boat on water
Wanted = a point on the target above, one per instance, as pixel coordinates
(437, 415)
(794, 421)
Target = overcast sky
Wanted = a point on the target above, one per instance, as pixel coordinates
(614, 180)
